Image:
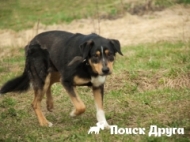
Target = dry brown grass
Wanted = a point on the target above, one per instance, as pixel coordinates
(148, 81)
(170, 24)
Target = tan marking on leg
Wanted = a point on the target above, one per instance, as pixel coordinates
(54, 77)
(47, 82)
(98, 98)
(100, 115)
(49, 99)
(38, 95)
(79, 106)
(34, 103)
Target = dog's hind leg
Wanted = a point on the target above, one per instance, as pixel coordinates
(54, 77)
(47, 90)
(36, 104)
(49, 99)
(38, 69)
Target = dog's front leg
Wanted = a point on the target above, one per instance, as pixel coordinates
(79, 106)
(98, 93)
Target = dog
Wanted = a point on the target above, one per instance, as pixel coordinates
(72, 59)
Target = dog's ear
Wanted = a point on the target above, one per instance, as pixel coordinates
(86, 47)
(116, 46)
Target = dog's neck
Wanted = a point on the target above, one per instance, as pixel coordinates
(98, 81)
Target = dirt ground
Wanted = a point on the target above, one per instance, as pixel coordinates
(170, 24)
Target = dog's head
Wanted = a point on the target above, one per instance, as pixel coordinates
(100, 54)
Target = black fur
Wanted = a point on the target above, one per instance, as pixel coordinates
(18, 84)
(36, 70)
(72, 59)
(63, 52)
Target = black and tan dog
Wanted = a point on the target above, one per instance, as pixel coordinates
(72, 59)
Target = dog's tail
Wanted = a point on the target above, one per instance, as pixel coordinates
(36, 70)
(18, 84)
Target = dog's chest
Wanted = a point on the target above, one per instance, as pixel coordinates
(97, 81)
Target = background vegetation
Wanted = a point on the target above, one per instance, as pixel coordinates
(23, 14)
(150, 84)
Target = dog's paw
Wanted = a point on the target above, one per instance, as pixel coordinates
(104, 123)
(77, 112)
(50, 107)
(46, 124)
(107, 126)
(72, 114)
(50, 124)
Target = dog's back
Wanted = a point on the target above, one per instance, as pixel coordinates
(38, 62)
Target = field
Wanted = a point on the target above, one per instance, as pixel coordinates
(150, 84)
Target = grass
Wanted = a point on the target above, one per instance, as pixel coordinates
(150, 86)
(23, 14)
(26, 13)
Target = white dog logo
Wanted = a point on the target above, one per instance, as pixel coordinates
(97, 128)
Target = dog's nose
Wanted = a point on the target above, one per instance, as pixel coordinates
(105, 70)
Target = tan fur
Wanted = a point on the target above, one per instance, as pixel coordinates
(53, 78)
(97, 68)
(38, 95)
(79, 81)
(106, 52)
(110, 66)
(98, 53)
(98, 98)
(78, 104)
(49, 99)
(47, 82)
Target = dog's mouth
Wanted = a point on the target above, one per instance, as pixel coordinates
(105, 74)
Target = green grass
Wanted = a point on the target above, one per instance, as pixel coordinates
(24, 14)
(184, 1)
(154, 57)
(149, 86)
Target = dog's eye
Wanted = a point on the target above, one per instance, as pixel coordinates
(95, 56)
(109, 54)
(110, 57)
